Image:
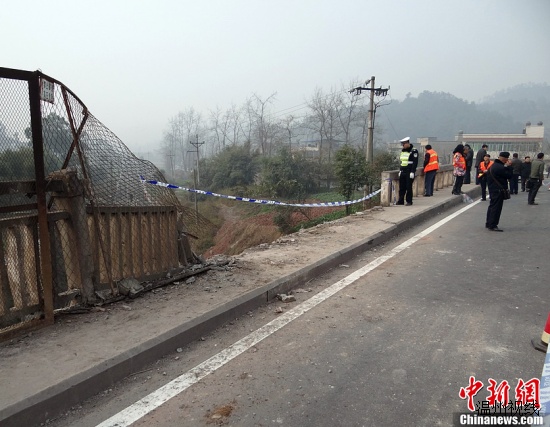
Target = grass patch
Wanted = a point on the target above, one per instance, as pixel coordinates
(319, 220)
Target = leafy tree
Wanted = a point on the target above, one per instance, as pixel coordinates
(9, 141)
(288, 175)
(17, 164)
(234, 166)
(383, 161)
(351, 169)
(57, 140)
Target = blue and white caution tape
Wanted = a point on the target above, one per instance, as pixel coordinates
(263, 202)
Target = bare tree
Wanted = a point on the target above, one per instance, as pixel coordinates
(263, 128)
(325, 119)
(169, 149)
(234, 130)
(289, 125)
(216, 127)
(348, 112)
(186, 126)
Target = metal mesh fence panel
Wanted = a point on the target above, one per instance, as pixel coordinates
(133, 229)
(20, 291)
(104, 224)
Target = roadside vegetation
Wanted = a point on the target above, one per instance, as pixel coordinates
(230, 226)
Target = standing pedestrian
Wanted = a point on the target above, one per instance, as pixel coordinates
(536, 177)
(516, 172)
(431, 166)
(482, 176)
(525, 172)
(408, 164)
(459, 164)
(479, 158)
(469, 157)
(497, 180)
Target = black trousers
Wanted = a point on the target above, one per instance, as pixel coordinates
(467, 175)
(514, 182)
(495, 208)
(524, 180)
(483, 184)
(405, 188)
(429, 180)
(533, 190)
(457, 188)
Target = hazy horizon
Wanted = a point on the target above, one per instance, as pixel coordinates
(137, 64)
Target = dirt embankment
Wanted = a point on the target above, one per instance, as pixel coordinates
(237, 234)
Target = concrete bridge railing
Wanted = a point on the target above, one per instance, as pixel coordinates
(390, 183)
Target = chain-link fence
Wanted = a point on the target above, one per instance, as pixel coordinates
(75, 217)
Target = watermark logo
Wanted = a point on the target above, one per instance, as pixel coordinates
(501, 405)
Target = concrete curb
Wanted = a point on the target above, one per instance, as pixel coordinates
(61, 397)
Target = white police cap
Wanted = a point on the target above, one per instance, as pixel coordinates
(406, 139)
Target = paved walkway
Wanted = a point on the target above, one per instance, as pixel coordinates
(45, 372)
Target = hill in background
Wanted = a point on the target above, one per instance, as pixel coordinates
(443, 115)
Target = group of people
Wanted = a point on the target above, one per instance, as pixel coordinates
(500, 176)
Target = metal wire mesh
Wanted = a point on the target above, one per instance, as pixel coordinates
(104, 224)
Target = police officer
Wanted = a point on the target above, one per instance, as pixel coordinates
(408, 161)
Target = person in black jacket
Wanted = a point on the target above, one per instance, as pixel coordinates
(479, 158)
(516, 171)
(497, 181)
(408, 162)
(469, 157)
(525, 172)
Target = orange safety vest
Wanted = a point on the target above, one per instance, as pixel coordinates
(483, 168)
(433, 164)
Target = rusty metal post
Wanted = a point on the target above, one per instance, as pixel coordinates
(44, 236)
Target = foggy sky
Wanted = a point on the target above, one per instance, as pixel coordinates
(137, 63)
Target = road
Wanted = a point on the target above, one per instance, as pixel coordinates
(391, 347)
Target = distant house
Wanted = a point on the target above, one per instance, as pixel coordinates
(312, 148)
(527, 143)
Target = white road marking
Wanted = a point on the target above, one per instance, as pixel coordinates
(142, 407)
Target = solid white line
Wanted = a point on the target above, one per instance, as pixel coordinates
(143, 406)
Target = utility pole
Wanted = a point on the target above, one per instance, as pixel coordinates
(370, 129)
(197, 144)
(370, 144)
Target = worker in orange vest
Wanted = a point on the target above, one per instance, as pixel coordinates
(482, 171)
(431, 166)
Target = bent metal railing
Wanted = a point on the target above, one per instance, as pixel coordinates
(74, 216)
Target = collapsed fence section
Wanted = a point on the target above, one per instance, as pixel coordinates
(75, 217)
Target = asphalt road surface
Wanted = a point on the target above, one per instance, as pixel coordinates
(387, 340)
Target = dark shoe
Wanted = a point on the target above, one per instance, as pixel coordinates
(483, 199)
(532, 203)
(400, 203)
(408, 204)
(495, 229)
